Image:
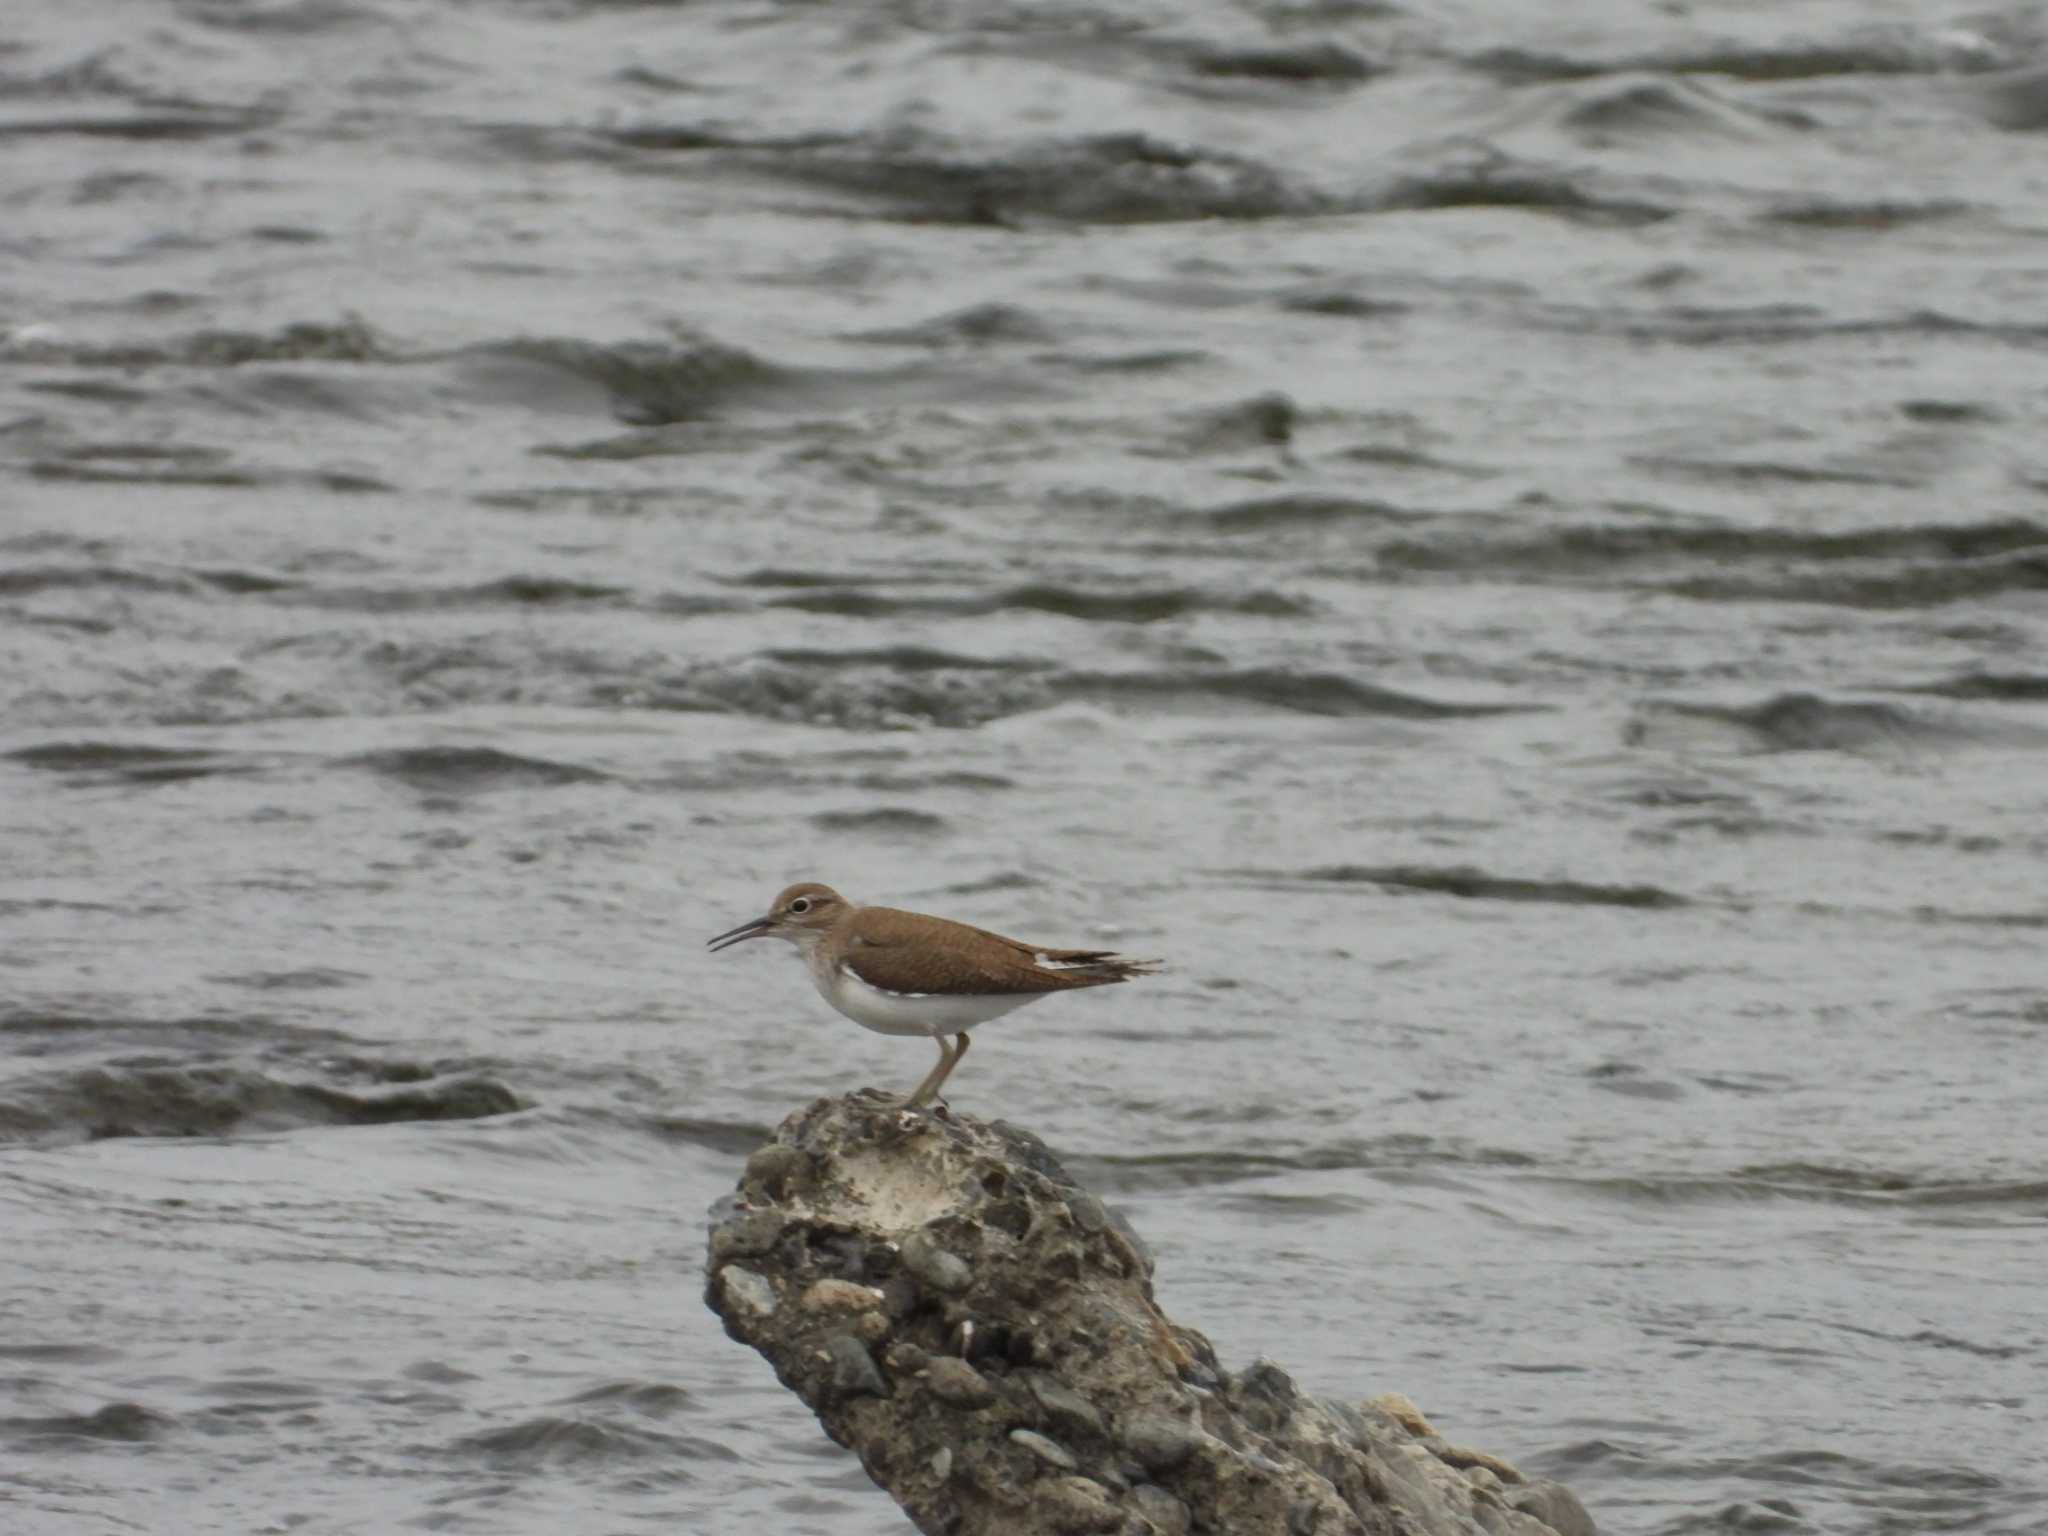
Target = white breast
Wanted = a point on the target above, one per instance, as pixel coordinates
(913, 1013)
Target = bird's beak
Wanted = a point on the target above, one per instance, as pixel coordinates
(759, 928)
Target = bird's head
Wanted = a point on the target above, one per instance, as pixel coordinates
(801, 914)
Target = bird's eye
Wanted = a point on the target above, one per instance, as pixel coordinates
(801, 905)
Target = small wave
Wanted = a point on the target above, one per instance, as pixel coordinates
(1131, 606)
(349, 341)
(1125, 178)
(1690, 1189)
(153, 126)
(196, 582)
(783, 576)
(1931, 1338)
(450, 770)
(2022, 687)
(876, 696)
(1264, 514)
(1323, 299)
(881, 821)
(516, 590)
(1153, 360)
(304, 18)
(1008, 880)
(728, 1138)
(1273, 1208)
(1593, 550)
(943, 779)
(188, 463)
(240, 581)
(1765, 324)
(1636, 109)
(226, 476)
(1901, 53)
(1310, 693)
(872, 697)
(1307, 63)
(1494, 180)
(554, 1441)
(1743, 473)
(2030, 1193)
(95, 1103)
(979, 325)
(1915, 566)
(28, 581)
(1866, 216)
(310, 979)
(39, 1031)
(2015, 100)
(71, 1354)
(1631, 1082)
(1152, 1171)
(1888, 1494)
(93, 74)
(1475, 884)
(1209, 69)
(1820, 1182)
(102, 762)
(649, 383)
(223, 476)
(130, 1423)
(1937, 412)
(655, 1399)
(50, 542)
(2025, 571)
(1789, 722)
(1267, 420)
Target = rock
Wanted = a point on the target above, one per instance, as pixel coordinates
(743, 1288)
(742, 1234)
(905, 1358)
(1089, 1213)
(854, 1373)
(1051, 1452)
(1159, 1443)
(934, 1266)
(1064, 1408)
(1031, 1372)
(769, 1171)
(1168, 1515)
(841, 1296)
(959, 1384)
(1401, 1408)
(1076, 1504)
(1554, 1505)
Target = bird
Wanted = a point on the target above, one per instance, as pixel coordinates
(906, 973)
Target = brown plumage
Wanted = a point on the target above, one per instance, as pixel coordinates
(911, 953)
(904, 973)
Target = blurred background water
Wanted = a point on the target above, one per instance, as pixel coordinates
(1510, 549)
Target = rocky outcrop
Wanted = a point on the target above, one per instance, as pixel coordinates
(981, 1331)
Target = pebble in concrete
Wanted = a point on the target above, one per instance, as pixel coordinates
(1051, 1452)
(958, 1383)
(853, 1369)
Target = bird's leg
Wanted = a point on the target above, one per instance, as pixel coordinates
(924, 1090)
(960, 1044)
(949, 1058)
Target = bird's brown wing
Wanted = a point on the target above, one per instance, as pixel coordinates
(892, 950)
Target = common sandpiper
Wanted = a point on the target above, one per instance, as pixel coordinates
(903, 973)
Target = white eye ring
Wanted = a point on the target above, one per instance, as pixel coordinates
(801, 905)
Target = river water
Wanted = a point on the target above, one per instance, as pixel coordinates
(1509, 552)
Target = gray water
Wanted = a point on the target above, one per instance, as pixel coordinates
(1510, 552)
